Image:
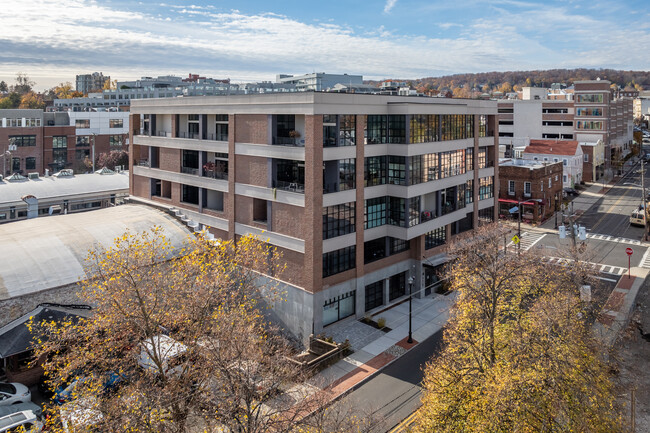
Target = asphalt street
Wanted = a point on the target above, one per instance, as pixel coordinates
(394, 393)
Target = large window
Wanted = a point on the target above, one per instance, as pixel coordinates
(83, 140)
(482, 124)
(338, 261)
(285, 123)
(347, 130)
(469, 191)
(435, 238)
(397, 129)
(82, 123)
(452, 163)
(190, 194)
(374, 295)
(456, 126)
(375, 212)
(396, 286)
(397, 170)
(115, 123)
(339, 308)
(191, 160)
(338, 220)
(221, 127)
(589, 98)
(347, 174)
(486, 216)
(486, 188)
(424, 128)
(59, 142)
(596, 112)
(30, 163)
(329, 130)
(22, 140)
(374, 250)
(397, 245)
(589, 124)
(482, 157)
(376, 129)
(115, 140)
(423, 168)
(374, 171)
(397, 211)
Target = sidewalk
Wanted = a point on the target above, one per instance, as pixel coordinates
(616, 312)
(375, 349)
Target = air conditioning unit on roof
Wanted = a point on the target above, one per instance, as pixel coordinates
(32, 175)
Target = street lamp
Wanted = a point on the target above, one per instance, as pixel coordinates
(410, 339)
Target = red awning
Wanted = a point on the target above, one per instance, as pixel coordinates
(528, 203)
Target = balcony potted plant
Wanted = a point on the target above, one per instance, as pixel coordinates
(295, 135)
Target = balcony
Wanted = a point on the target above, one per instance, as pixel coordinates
(290, 186)
(190, 170)
(288, 141)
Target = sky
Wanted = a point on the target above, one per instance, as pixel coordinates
(53, 40)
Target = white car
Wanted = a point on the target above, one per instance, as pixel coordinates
(24, 421)
(11, 393)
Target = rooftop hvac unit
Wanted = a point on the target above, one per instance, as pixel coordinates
(32, 175)
(118, 169)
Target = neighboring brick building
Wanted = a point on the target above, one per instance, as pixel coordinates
(358, 192)
(42, 141)
(593, 166)
(536, 185)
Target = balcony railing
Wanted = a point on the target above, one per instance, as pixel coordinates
(190, 170)
(214, 174)
(290, 186)
(288, 141)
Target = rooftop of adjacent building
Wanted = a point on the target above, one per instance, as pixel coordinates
(44, 253)
(12, 191)
(552, 147)
(524, 163)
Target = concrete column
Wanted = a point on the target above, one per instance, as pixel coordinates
(201, 204)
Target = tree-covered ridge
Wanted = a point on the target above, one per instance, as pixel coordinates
(506, 81)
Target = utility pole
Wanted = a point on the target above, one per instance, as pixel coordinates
(643, 200)
(519, 228)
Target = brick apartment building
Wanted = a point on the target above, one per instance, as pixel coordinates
(57, 140)
(358, 192)
(41, 141)
(593, 114)
(536, 185)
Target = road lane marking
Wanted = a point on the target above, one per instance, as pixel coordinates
(606, 213)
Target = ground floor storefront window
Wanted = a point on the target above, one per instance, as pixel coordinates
(339, 307)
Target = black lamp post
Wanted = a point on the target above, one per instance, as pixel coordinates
(410, 339)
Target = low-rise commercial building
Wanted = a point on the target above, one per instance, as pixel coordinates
(535, 186)
(569, 153)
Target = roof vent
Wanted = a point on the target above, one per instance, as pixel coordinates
(66, 172)
(104, 170)
(32, 175)
(16, 177)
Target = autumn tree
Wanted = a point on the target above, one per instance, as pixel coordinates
(10, 101)
(3, 86)
(112, 159)
(222, 368)
(23, 84)
(63, 90)
(32, 100)
(518, 354)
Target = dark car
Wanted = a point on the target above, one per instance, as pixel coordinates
(571, 192)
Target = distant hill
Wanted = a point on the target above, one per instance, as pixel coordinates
(506, 81)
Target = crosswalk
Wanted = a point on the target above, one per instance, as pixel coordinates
(598, 267)
(528, 240)
(609, 238)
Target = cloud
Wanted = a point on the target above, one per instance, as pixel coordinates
(389, 5)
(52, 43)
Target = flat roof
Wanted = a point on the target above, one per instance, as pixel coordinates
(44, 253)
(54, 187)
(312, 103)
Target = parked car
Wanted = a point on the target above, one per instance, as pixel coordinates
(25, 419)
(12, 393)
(63, 395)
(571, 192)
(20, 407)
